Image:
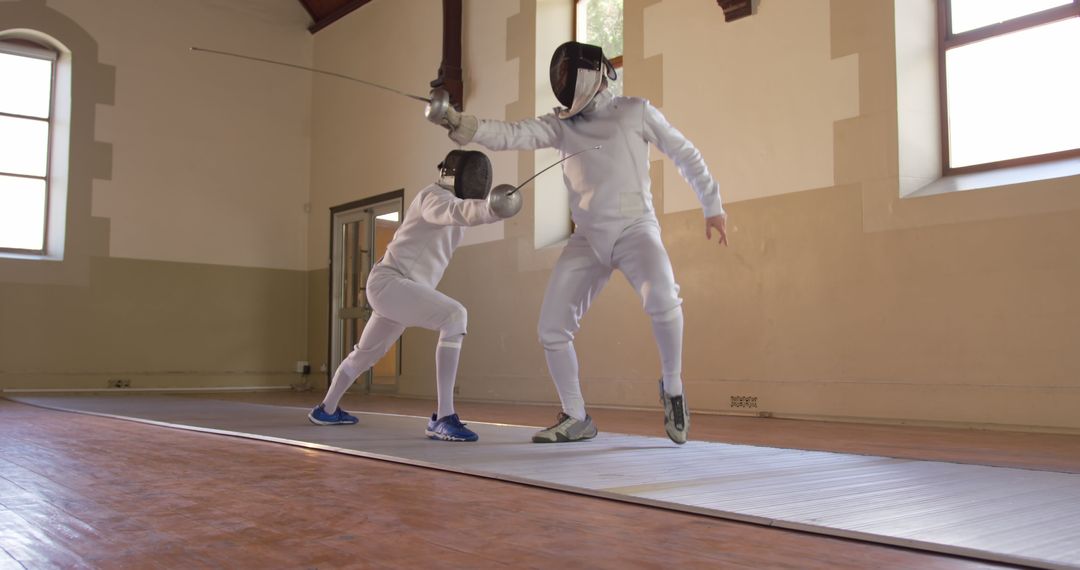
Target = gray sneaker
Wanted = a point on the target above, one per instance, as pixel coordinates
(676, 416)
(567, 429)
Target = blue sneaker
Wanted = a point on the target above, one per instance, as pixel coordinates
(449, 428)
(318, 416)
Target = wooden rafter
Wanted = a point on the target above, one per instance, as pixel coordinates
(449, 74)
(735, 9)
(326, 12)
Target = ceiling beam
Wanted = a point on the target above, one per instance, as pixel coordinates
(450, 76)
(335, 15)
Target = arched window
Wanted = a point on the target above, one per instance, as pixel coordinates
(27, 124)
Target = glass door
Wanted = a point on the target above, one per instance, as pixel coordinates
(360, 233)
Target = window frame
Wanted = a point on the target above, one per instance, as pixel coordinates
(23, 48)
(948, 40)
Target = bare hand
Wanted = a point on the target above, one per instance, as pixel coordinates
(718, 223)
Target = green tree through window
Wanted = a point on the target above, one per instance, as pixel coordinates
(600, 22)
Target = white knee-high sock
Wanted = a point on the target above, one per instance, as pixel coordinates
(344, 377)
(446, 363)
(668, 331)
(563, 366)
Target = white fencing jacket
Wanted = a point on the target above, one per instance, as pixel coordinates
(431, 230)
(609, 187)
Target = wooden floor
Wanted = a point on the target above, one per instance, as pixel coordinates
(81, 491)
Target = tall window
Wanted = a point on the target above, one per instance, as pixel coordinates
(26, 102)
(600, 22)
(1009, 81)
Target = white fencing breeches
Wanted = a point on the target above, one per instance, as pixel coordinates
(399, 303)
(580, 275)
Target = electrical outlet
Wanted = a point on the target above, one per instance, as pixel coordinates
(302, 367)
(119, 383)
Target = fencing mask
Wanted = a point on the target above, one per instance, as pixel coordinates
(577, 73)
(467, 172)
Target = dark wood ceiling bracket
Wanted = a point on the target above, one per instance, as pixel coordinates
(735, 9)
(449, 75)
(334, 15)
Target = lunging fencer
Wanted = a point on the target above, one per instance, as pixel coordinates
(617, 227)
(401, 286)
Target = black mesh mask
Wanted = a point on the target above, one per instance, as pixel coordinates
(565, 63)
(468, 172)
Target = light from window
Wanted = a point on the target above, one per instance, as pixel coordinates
(600, 23)
(1010, 84)
(972, 14)
(24, 146)
(1015, 95)
(25, 104)
(22, 217)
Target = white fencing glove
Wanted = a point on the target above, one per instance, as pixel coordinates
(462, 127)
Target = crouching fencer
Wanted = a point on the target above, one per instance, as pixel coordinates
(617, 226)
(401, 286)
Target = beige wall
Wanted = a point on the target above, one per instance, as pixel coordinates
(368, 141)
(210, 154)
(186, 243)
(768, 92)
(158, 324)
(192, 264)
(836, 298)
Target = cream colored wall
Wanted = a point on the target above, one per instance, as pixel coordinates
(767, 93)
(186, 230)
(210, 155)
(836, 298)
(368, 141)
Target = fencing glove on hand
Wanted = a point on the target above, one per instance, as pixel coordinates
(462, 127)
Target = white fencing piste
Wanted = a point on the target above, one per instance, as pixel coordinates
(1018, 516)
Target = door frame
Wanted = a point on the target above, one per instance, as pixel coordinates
(335, 210)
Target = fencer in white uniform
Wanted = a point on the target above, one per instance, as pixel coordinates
(401, 286)
(617, 227)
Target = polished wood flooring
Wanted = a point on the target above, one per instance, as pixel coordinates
(78, 491)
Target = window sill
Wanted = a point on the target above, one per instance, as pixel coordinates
(29, 257)
(1000, 177)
